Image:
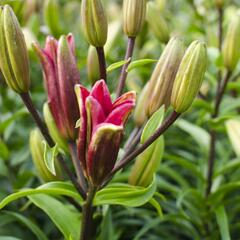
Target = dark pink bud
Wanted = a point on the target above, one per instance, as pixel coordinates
(101, 129)
(61, 74)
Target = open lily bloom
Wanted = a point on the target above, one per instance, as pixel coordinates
(101, 128)
(61, 74)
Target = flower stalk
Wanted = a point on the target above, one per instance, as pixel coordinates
(124, 73)
(35, 115)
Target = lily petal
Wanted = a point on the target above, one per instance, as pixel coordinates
(126, 97)
(101, 93)
(69, 76)
(120, 114)
(82, 93)
(103, 151)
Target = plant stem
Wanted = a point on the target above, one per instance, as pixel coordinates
(77, 166)
(87, 215)
(126, 160)
(220, 92)
(129, 53)
(212, 149)
(102, 63)
(32, 110)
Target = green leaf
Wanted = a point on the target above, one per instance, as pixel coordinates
(66, 220)
(4, 152)
(50, 156)
(200, 135)
(139, 63)
(54, 188)
(117, 65)
(222, 221)
(31, 225)
(126, 195)
(8, 121)
(153, 123)
(8, 238)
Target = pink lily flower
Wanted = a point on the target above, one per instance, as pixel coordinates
(61, 74)
(101, 129)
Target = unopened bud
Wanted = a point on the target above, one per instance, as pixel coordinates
(233, 130)
(147, 163)
(52, 128)
(162, 79)
(37, 151)
(94, 22)
(52, 17)
(140, 116)
(231, 48)
(93, 65)
(14, 61)
(219, 3)
(157, 22)
(134, 12)
(189, 76)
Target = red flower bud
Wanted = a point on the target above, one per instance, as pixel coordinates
(61, 75)
(101, 129)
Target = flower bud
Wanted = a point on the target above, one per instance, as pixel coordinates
(134, 12)
(92, 65)
(219, 3)
(233, 130)
(189, 76)
(94, 22)
(52, 128)
(147, 163)
(52, 17)
(140, 116)
(37, 151)
(157, 22)
(231, 47)
(14, 61)
(162, 79)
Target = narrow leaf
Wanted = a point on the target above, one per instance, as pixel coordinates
(117, 65)
(139, 63)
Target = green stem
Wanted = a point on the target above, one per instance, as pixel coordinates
(87, 215)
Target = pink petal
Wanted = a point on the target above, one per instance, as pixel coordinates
(50, 49)
(102, 95)
(82, 93)
(120, 114)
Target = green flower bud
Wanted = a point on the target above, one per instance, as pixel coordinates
(157, 22)
(162, 79)
(52, 17)
(231, 47)
(189, 76)
(219, 3)
(53, 130)
(148, 162)
(233, 130)
(14, 61)
(37, 151)
(134, 12)
(140, 116)
(92, 65)
(94, 22)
